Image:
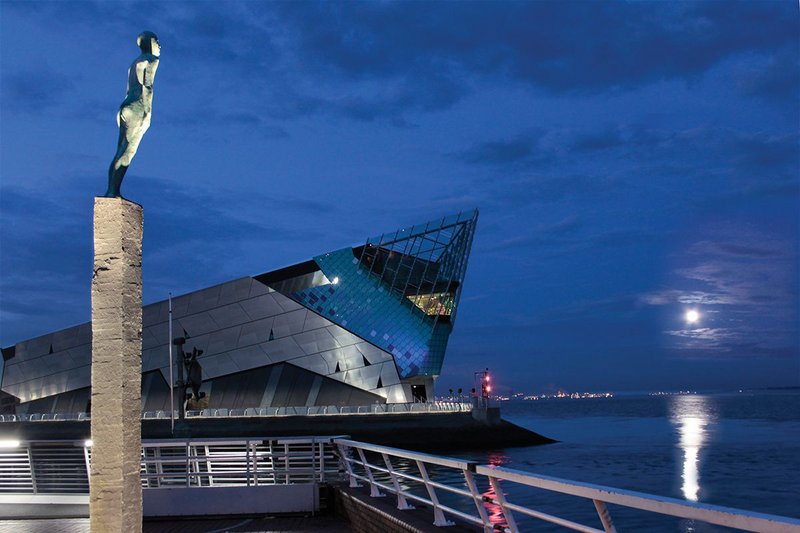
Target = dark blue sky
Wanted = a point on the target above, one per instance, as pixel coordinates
(631, 160)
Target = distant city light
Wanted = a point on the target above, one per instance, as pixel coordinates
(692, 316)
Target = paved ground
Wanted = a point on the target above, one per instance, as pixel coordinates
(294, 524)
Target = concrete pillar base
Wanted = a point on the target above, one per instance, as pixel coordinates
(115, 491)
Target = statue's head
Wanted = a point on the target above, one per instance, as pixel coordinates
(148, 42)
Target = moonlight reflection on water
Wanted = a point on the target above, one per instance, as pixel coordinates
(691, 416)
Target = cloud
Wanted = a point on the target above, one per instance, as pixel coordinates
(621, 44)
(775, 77)
(674, 296)
(747, 249)
(763, 152)
(374, 61)
(743, 280)
(500, 152)
(593, 142)
(36, 90)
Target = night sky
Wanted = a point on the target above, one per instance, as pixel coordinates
(631, 161)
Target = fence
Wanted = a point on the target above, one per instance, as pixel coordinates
(374, 409)
(408, 475)
(61, 467)
(471, 492)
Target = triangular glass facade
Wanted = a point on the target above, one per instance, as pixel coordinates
(399, 291)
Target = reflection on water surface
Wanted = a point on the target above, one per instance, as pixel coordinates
(691, 415)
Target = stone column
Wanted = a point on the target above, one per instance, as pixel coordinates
(115, 491)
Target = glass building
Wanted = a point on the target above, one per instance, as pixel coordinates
(349, 327)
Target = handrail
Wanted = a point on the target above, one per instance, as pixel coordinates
(322, 410)
(62, 466)
(714, 514)
(375, 475)
(460, 464)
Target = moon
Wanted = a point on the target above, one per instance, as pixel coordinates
(692, 316)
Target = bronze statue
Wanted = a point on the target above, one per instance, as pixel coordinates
(195, 372)
(134, 113)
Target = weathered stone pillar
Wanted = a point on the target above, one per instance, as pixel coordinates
(115, 491)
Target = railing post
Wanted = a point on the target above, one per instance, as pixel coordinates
(402, 503)
(501, 501)
(322, 462)
(374, 491)
(314, 476)
(247, 459)
(478, 499)
(343, 457)
(188, 477)
(286, 463)
(605, 516)
(87, 461)
(254, 453)
(33, 472)
(439, 519)
(209, 468)
(159, 466)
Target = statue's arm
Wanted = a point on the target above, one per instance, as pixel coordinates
(146, 72)
(150, 73)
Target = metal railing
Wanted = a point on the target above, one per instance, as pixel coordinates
(374, 409)
(59, 467)
(409, 476)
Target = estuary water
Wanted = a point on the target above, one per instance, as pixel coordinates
(738, 450)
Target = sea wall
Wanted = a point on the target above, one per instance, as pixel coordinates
(440, 432)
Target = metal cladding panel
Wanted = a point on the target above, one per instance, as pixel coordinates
(229, 315)
(218, 365)
(286, 303)
(282, 349)
(314, 321)
(152, 314)
(257, 288)
(316, 341)
(344, 337)
(204, 300)
(393, 394)
(160, 331)
(196, 324)
(41, 366)
(249, 357)
(289, 323)
(223, 340)
(149, 340)
(234, 291)
(255, 332)
(389, 375)
(154, 358)
(180, 307)
(315, 363)
(261, 306)
(372, 353)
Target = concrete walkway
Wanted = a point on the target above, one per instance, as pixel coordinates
(294, 524)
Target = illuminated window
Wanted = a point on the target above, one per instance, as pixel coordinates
(434, 304)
